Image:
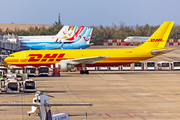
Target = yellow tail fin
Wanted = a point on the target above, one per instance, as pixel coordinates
(160, 36)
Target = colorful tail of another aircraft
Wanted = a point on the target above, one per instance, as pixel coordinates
(85, 39)
(70, 33)
(62, 32)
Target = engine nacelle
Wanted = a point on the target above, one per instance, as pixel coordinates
(63, 66)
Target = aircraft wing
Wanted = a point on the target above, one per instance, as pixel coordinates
(68, 104)
(20, 104)
(84, 60)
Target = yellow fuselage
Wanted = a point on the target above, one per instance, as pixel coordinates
(114, 57)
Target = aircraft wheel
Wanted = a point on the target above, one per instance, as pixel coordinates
(82, 72)
(86, 72)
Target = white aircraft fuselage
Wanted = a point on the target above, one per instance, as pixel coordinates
(136, 39)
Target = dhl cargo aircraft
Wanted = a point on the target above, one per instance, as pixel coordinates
(66, 59)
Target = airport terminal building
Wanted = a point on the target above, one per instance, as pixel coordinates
(8, 44)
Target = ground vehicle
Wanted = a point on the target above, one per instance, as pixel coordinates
(1, 74)
(138, 66)
(1, 77)
(0, 85)
(150, 65)
(73, 70)
(17, 70)
(175, 65)
(43, 70)
(5, 70)
(163, 65)
(126, 67)
(11, 84)
(30, 70)
(91, 68)
(103, 68)
(114, 68)
(29, 85)
(61, 116)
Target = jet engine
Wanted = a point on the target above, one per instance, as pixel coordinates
(63, 66)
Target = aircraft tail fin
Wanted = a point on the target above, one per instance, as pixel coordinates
(85, 39)
(70, 33)
(62, 32)
(76, 28)
(160, 36)
(80, 29)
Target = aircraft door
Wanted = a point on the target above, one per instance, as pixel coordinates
(22, 57)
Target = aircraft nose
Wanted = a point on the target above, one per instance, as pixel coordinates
(5, 60)
(125, 40)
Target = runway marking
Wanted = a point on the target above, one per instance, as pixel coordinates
(168, 99)
(128, 114)
(108, 115)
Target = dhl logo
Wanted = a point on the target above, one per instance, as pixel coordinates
(46, 58)
(156, 40)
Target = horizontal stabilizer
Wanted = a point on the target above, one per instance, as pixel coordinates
(89, 44)
(165, 50)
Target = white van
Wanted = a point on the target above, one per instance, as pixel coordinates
(150, 65)
(175, 65)
(126, 67)
(61, 116)
(91, 68)
(138, 66)
(103, 68)
(114, 68)
(163, 65)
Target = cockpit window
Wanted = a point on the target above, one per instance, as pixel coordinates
(11, 55)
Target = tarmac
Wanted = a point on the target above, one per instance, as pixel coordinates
(115, 95)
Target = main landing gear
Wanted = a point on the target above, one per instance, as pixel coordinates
(83, 69)
(84, 72)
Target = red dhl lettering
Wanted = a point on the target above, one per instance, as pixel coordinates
(34, 57)
(156, 40)
(47, 57)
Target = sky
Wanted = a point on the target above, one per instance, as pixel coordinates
(90, 12)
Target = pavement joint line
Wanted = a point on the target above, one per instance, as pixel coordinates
(128, 114)
(108, 115)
